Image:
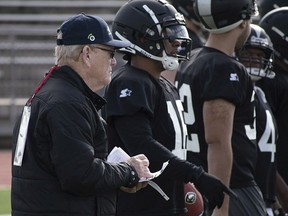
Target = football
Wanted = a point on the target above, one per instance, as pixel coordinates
(193, 200)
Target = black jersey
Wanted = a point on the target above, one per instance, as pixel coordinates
(266, 135)
(144, 115)
(276, 91)
(211, 74)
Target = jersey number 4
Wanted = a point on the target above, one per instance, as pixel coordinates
(266, 142)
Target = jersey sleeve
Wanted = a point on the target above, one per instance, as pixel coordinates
(130, 94)
(226, 80)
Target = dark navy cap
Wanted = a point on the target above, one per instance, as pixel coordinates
(87, 29)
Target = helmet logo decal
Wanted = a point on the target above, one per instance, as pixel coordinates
(179, 16)
(260, 40)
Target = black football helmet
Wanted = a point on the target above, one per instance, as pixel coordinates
(275, 25)
(147, 24)
(219, 16)
(186, 8)
(266, 6)
(257, 66)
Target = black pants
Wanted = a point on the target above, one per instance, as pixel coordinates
(250, 203)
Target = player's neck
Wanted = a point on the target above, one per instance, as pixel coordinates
(223, 42)
(154, 68)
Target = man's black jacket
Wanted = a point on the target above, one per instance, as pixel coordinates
(62, 172)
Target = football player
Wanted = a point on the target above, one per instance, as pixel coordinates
(195, 29)
(276, 90)
(218, 104)
(257, 56)
(144, 112)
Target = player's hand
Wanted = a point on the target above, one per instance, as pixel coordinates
(134, 189)
(213, 190)
(140, 163)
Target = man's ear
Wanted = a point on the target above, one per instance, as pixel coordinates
(86, 51)
(86, 55)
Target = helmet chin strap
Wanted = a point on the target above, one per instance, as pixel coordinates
(168, 62)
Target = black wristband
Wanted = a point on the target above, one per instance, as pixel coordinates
(133, 179)
(279, 212)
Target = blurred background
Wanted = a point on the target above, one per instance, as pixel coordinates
(27, 40)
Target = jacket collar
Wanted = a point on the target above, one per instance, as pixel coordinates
(67, 73)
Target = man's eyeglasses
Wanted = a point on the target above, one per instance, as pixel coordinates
(111, 52)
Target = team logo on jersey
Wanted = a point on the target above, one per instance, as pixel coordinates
(125, 93)
(234, 77)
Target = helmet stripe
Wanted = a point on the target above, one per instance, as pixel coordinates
(279, 32)
(204, 8)
(153, 16)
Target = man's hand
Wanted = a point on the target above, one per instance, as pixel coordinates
(134, 189)
(140, 163)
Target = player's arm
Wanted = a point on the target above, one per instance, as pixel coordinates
(136, 134)
(218, 124)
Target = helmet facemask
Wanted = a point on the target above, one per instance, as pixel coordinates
(176, 46)
(258, 63)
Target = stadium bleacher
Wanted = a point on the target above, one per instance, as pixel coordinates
(27, 40)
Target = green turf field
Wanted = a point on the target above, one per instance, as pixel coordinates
(5, 207)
